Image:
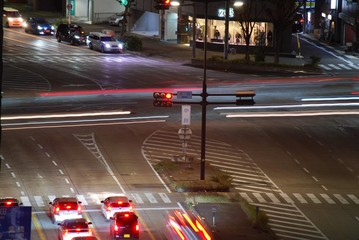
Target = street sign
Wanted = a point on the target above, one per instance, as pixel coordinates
(184, 95)
(184, 134)
(186, 114)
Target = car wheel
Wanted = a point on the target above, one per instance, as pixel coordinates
(58, 39)
(90, 46)
(102, 49)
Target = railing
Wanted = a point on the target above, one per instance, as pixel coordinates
(102, 17)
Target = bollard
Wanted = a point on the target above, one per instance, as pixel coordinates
(214, 216)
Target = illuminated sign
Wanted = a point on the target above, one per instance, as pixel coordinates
(222, 13)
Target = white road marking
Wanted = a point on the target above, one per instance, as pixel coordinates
(327, 198)
(341, 199)
(25, 201)
(313, 198)
(39, 201)
(300, 198)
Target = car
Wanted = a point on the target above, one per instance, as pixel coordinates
(113, 204)
(9, 202)
(186, 225)
(124, 225)
(12, 17)
(104, 42)
(71, 33)
(65, 208)
(38, 25)
(74, 228)
(116, 19)
(84, 238)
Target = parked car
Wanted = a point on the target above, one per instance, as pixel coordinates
(104, 42)
(71, 33)
(9, 202)
(116, 19)
(70, 229)
(38, 25)
(12, 17)
(114, 204)
(124, 225)
(65, 208)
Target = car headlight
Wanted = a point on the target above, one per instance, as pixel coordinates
(39, 28)
(24, 24)
(107, 45)
(120, 45)
(52, 28)
(77, 36)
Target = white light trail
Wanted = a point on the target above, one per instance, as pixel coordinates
(89, 114)
(294, 114)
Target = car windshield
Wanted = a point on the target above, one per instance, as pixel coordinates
(77, 30)
(108, 39)
(13, 14)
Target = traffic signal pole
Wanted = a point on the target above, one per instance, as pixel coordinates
(204, 99)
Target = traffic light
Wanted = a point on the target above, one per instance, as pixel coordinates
(163, 4)
(245, 97)
(162, 99)
(123, 2)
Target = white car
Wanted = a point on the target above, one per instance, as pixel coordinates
(114, 204)
(65, 208)
(72, 228)
(116, 20)
(104, 42)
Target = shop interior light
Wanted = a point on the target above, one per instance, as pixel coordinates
(238, 3)
(175, 3)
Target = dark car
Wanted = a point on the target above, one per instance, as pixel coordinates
(38, 25)
(124, 225)
(9, 202)
(71, 33)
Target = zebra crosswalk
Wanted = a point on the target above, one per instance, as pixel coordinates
(300, 198)
(95, 199)
(339, 67)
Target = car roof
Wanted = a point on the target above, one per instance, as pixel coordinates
(65, 199)
(8, 198)
(118, 198)
(76, 220)
(9, 9)
(100, 34)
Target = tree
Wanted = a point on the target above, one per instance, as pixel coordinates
(246, 17)
(127, 4)
(281, 13)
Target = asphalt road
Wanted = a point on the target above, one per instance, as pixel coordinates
(300, 169)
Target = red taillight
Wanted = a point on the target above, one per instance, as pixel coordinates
(8, 203)
(57, 210)
(116, 228)
(131, 208)
(120, 202)
(109, 208)
(126, 215)
(137, 228)
(68, 207)
(66, 232)
(79, 209)
(78, 229)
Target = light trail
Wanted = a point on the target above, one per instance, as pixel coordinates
(294, 114)
(67, 115)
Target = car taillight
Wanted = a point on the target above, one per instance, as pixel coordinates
(131, 208)
(137, 228)
(57, 210)
(68, 207)
(78, 229)
(8, 203)
(116, 227)
(109, 208)
(66, 232)
(79, 209)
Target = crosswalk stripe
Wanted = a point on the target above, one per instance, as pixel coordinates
(137, 197)
(259, 197)
(325, 67)
(341, 199)
(313, 198)
(327, 198)
(300, 198)
(165, 198)
(25, 201)
(273, 198)
(286, 197)
(344, 66)
(151, 198)
(334, 66)
(82, 199)
(246, 197)
(353, 198)
(354, 66)
(39, 201)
